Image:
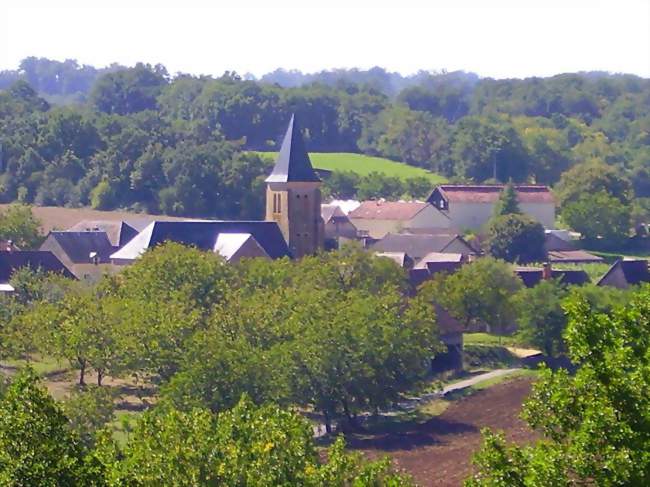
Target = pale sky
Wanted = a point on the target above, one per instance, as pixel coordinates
(497, 38)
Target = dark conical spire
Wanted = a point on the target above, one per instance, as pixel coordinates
(293, 164)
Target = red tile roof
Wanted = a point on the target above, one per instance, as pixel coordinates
(388, 210)
(490, 193)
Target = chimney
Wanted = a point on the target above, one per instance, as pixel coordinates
(547, 271)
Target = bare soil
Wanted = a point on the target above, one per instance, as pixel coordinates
(439, 451)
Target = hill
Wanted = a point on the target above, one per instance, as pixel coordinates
(363, 165)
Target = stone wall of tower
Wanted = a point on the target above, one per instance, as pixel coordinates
(295, 206)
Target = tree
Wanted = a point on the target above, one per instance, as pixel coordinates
(592, 177)
(247, 445)
(507, 203)
(480, 294)
(540, 318)
(89, 409)
(594, 424)
(18, 224)
(599, 217)
(36, 444)
(515, 238)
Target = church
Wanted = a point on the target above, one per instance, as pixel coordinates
(293, 226)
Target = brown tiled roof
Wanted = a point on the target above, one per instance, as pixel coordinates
(388, 210)
(490, 193)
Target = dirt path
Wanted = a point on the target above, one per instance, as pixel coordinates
(438, 452)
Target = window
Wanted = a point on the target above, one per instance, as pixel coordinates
(277, 203)
(298, 196)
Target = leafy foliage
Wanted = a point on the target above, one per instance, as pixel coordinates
(515, 238)
(18, 224)
(595, 423)
(480, 294)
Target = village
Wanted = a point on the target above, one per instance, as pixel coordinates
(324, 244)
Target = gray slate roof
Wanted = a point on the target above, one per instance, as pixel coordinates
(203, 235)
(417, 246)
(79, 245)
(633, 272)
(119, 232)
(293, 162)
(34, 259)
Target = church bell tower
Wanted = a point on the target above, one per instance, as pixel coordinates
(293, 196)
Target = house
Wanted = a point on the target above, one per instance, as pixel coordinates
(402, 259)
(378, 217)
(572, 257)
(625, 273)
(119, 232)
(531, 276)
(436, 262)
(471, 206)
(419, 245)
(12, 260)
(338, 227)
(232, 239)
(87, 254)
(554, 242)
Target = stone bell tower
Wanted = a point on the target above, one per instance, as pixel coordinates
(293, 196)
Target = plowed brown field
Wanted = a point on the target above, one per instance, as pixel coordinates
(439, 451)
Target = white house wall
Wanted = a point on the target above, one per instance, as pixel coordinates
(475, 215)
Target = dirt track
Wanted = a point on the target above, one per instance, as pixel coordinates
(439, 451)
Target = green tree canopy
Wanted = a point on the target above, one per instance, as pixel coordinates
(594, 424)
(18, 224)
(515, 238)
(480, 294)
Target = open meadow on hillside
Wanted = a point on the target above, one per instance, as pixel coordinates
(364, 165)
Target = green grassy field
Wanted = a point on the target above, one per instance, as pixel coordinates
(363, 165)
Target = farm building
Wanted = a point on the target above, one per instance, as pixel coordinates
(471, 206)
(625, 273)
(377, 218)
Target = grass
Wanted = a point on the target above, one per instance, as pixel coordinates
(363, 165)
(123, 424)
(43, 366)
(595, 270)
(488, 339)
(613, 256)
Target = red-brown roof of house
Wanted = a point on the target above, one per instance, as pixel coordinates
(490, 193)
(388, 210)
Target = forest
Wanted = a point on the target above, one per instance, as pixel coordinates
(143, 139)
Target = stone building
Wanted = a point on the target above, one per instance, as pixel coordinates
(293, 197)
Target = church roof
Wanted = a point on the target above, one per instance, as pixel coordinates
(204, 235)
(293, 164)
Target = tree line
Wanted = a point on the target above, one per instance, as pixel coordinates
(146, 140)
